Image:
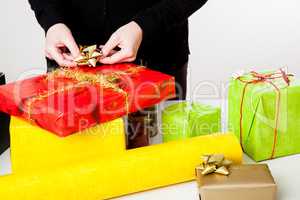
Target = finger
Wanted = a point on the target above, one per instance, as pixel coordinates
(115, 58)
(110, 45)
(68, 57)
(72, 46)
(112, 52)
(49, 56)
(129, 59)
(57, 55)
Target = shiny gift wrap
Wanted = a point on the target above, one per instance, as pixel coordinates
(183, 120)
(119, 174)
(264, 113)
(245, 182)
(34, 148)
(72, 99)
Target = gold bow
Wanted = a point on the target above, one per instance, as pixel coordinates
(89, 56)
(214, 163)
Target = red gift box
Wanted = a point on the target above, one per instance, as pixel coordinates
(69, 100)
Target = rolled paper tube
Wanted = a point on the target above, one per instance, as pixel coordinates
(184, 120)
(133, 171)
(33, 147)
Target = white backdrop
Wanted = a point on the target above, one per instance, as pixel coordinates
(224, 35)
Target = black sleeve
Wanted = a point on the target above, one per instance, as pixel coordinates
(47, 12)
(166, 15)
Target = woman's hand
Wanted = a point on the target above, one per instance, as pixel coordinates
(128, 38)
(58, 39)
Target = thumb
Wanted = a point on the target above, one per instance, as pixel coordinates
(72, 46)
(110, 45)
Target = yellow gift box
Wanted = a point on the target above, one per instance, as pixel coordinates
(33, 147)
(112, 173)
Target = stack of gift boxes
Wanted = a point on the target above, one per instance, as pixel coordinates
(68, 140)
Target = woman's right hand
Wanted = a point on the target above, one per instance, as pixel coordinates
(58, 38)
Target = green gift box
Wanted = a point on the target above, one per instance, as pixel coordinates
(264, 113)
(184, 120)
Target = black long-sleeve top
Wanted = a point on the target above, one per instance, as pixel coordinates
(164, 23)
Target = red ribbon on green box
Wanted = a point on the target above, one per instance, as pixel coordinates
(257, 109)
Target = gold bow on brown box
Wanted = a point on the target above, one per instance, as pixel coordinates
(214, 163)
(89, 56)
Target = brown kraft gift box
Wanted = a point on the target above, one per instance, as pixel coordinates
(245, 182)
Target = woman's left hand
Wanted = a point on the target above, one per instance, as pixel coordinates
(128, 38)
